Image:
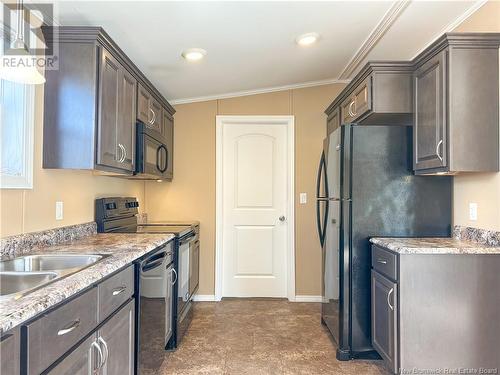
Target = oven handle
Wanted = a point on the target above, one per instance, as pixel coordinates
(153, 261)
(187, 238)
(152, 265)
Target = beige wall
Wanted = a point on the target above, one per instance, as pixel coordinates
(191, 195)
(484, 188)
(34, 209)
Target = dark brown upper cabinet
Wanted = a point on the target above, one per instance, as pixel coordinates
(456, 105)
(92, 103)
(150, 110)
(116, 117)
(380, 94)
(168, 134)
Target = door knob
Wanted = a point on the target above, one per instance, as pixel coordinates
(282, 218)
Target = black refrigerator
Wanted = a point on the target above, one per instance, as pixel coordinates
(366, 188)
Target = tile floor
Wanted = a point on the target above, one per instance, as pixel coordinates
(240, 336)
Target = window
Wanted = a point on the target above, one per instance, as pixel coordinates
(16, 135)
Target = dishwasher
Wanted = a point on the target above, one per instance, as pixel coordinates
(157, 277)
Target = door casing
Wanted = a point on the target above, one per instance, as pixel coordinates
(289, 121)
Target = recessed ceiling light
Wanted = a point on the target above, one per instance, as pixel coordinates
(194, 54)
(307, 39)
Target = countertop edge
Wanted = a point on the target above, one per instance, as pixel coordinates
(411, 246)
(17, 312)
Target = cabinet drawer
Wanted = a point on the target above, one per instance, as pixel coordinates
(385, 262)
(53, 334)
(115, 291)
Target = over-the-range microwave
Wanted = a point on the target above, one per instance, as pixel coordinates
(154, 159)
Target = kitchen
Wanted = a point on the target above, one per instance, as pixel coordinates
(257, 309)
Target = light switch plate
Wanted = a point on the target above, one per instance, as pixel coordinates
(303, 198)
(59, 210)
(473, 211)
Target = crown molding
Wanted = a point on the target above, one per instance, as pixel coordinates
(258, 91)
(452, 25)
(376, 34)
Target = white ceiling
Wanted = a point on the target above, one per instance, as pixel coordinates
(251, 45)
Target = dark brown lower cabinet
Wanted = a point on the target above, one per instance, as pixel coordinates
(433, 312)
(384, 319)
(117, 338)
(10, 352)
(108, 351)
(81, 361)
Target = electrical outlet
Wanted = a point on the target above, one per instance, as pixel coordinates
(473, 211)
(303, 198)
(59, 210)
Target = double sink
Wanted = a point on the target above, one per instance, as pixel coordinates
(24, 274)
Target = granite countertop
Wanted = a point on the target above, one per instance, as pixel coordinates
(124, 249)
(435, 245)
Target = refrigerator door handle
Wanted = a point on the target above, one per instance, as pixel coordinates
(321, 171)
(322, 222)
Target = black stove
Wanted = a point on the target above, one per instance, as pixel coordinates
(119, 215)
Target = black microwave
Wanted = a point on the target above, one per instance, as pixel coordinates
(154, 159)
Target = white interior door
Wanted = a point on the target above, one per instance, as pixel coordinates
(254, 210)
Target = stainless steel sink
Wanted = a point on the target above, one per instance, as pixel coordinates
(15, 282)
(22, 275)
(49, 262)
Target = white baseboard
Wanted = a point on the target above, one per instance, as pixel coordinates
(308, 298)
(204, 298)
(211, 298)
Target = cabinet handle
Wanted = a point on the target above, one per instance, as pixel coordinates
(153, 119)
(351, 113)
(119, 290)
(70, 327)
(100, 363)
(123, 153)
(389, 299)
(106, 350)
(438, 148)
(383, 261)
(174, 272)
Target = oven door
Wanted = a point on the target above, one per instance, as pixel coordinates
(154, 299)
(153, 157)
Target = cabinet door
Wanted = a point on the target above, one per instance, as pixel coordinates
(362, 98)
(168, 134)
(10, 352)
(126, 125)
(171, 279)
(156, 112)
(81, 361)
(333, 121)
(117, 340)
(346, 110)
(429, 138)
(384, 319)
(109, 99)
(143, 99)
